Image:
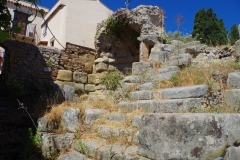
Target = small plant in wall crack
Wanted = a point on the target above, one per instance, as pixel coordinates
(49, 63)
(111, 80)
(83, 148)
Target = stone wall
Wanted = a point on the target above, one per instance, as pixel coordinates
(127, 32)
(79, 71)
(51, 56)
(24, 62)
(77, 58)
(74, 67)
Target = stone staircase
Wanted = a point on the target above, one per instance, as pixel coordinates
(161, 126)
(169, 100)
(146, 99)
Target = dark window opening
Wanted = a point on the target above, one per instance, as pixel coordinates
(20, 20)
(52, 43)
(149, 49)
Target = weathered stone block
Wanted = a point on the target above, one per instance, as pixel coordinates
(234, 80)
(52, 144)
(112, 151)
(118, 117)
(128, 105)
(70, 120)
(233, 153)
(79, 88)
(233, 98)
(65, 75)
(146, 86)
(95, 78)
(104, 59)
(237, 50)
(80, 77)
(101, 67)
(88, 68)
(176, 105)
(159, 54)
(69, 93)
(107, 132)
(92, 78)
(44, 125)
(141, 95)
(136, 120)
(180, 60)
(73, 155)
(194, 136)
(164, 73)
(90, 88)
(184, 92)
(93, 114)
(92, 146)
(142, 68)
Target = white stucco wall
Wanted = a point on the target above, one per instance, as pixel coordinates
(25, 8)
(56, 21)
(77, 22)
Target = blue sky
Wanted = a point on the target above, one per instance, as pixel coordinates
(228, 10)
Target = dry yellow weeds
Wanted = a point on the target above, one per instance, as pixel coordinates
(200, 74)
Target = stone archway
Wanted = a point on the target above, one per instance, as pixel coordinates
(128, 35)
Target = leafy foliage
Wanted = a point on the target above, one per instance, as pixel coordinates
(209, 29)
(111, 80)
(31, 149)
(234, 34)
(6, 21)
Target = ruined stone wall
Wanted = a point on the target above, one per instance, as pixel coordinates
(122, 36)
(51, 56)
(77, 58)
(77, 72)
(24, 62)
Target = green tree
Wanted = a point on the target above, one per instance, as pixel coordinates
(234, 34)
(208, 28)
(6, 21)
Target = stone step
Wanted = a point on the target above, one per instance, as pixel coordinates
(165, 106)
(182, 92)
(171, 93)
(164, 74)
(142, 95)
(161, 74)
(126, 134)
(193, 136)
(98, 150)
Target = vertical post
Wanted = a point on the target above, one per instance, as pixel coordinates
(144, 52)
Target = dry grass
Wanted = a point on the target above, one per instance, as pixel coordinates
(108, 104)
(189, 76)
(88, 132)
(200, 74)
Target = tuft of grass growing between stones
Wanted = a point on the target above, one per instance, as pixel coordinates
(111, 80)
(202, 73)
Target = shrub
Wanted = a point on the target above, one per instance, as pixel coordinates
(111, 80)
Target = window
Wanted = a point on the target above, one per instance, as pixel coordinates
(20, 20)
(45, 29)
